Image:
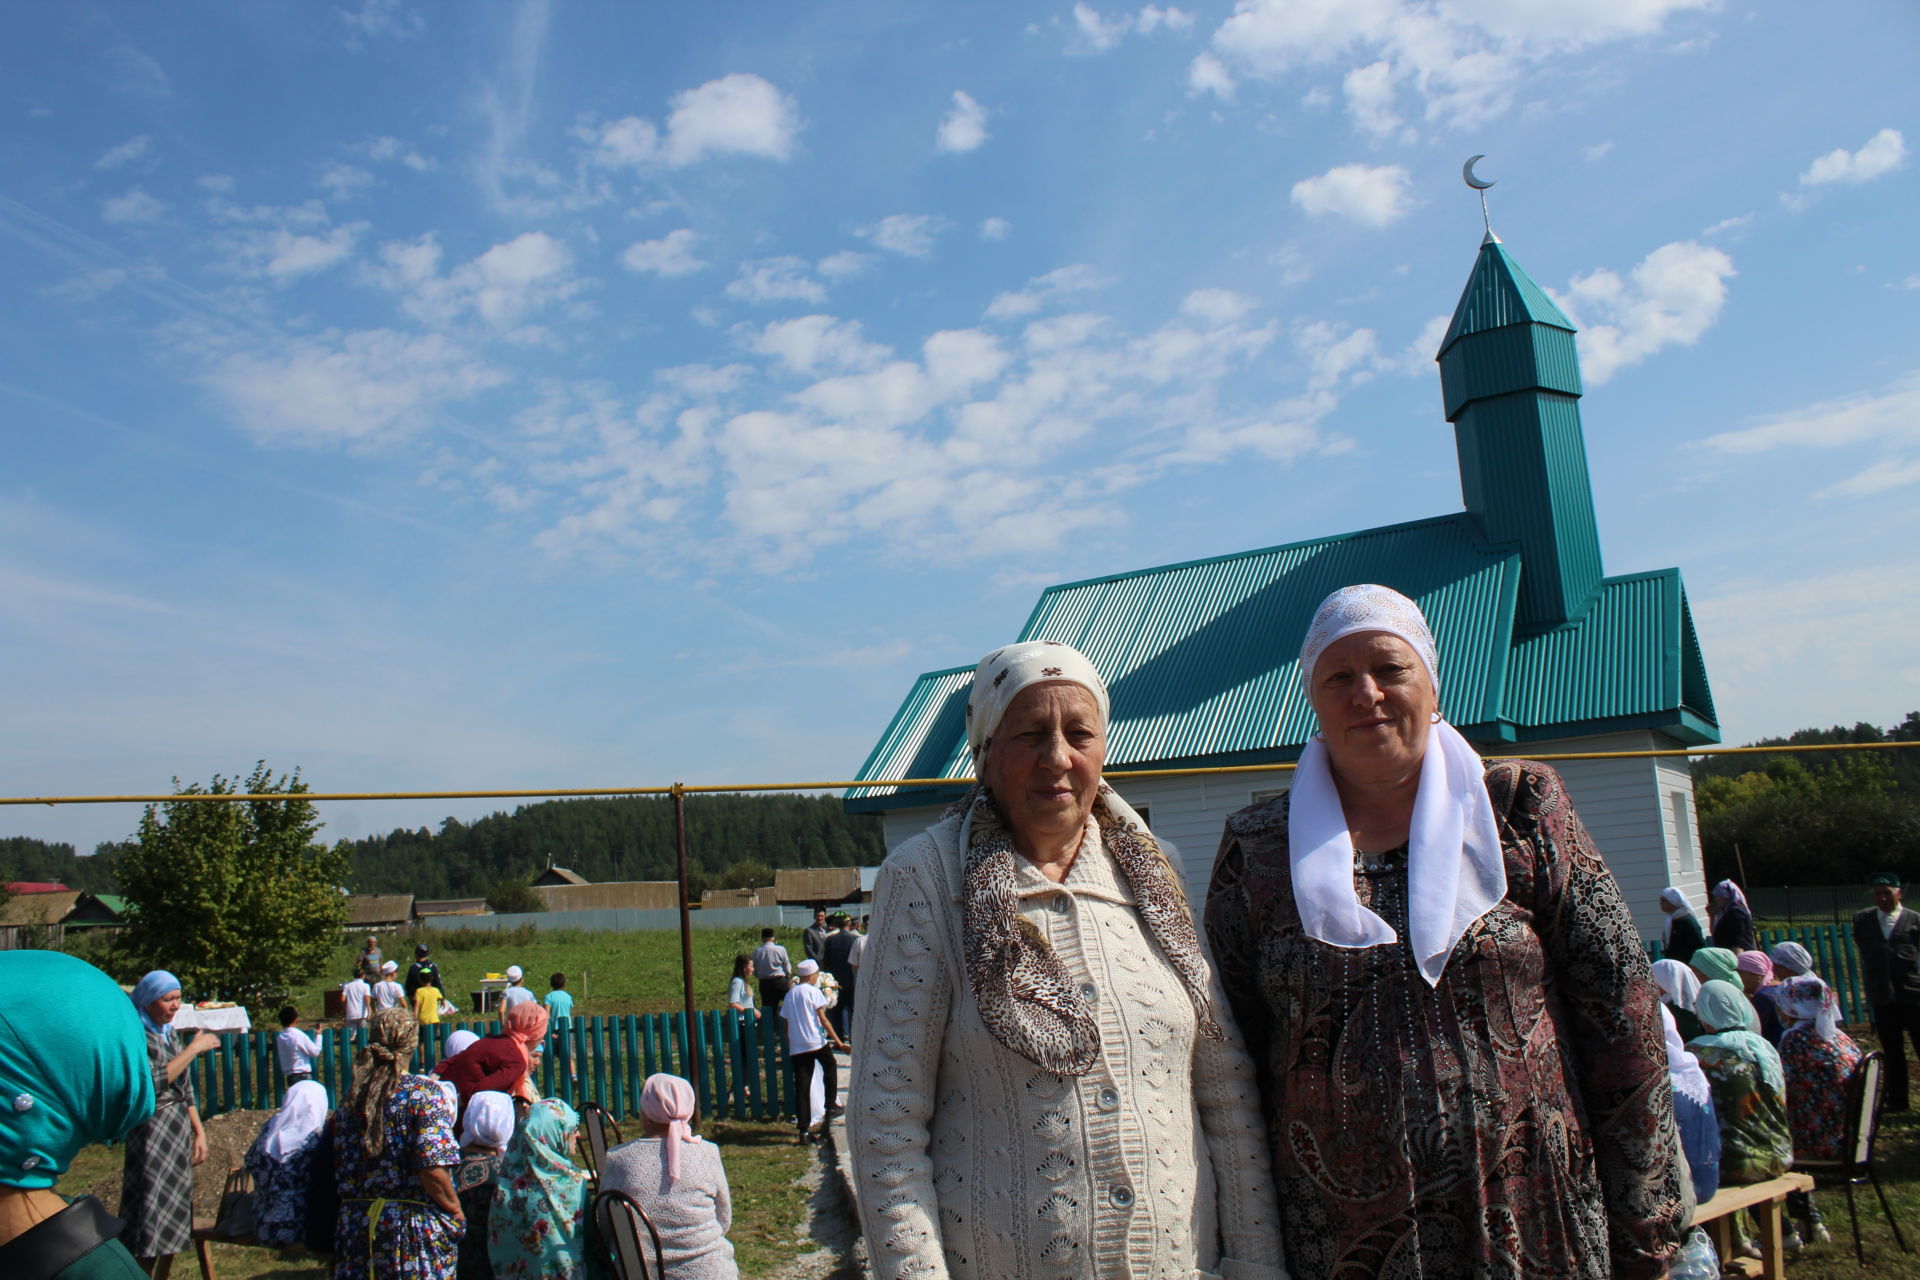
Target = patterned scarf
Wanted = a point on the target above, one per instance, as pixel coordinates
(1027, 1000)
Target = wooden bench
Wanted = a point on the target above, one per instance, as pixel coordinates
(1769, 1198)
(205, 1232)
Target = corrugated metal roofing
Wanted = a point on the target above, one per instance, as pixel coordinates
(1617, 660)
(1499, 293)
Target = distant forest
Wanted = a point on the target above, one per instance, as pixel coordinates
(1903, 767)
(731, 840)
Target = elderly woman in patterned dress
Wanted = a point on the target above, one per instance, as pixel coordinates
(1048, 1082)
(394, 1152)
(156, 1188)
(1461, 1049)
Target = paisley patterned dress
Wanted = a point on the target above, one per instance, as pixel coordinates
(1514, 1122)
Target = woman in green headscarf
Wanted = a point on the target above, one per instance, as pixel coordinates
(1749, 1087)
(75, 1067)
(1717, 964)
(539, 1226)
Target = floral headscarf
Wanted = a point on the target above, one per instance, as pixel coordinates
(1811, 1001)
(538, 1227)
(1728, 894)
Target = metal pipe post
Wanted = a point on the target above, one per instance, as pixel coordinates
(686, 926)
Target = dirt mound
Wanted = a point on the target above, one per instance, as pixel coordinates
(228, 1137)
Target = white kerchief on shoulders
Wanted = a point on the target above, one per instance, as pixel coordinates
(1456, 872)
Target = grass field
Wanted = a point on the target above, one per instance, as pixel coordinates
(607, 973)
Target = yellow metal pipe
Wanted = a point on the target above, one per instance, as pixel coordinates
(729, 788)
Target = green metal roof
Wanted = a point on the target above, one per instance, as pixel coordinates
(1498, 294)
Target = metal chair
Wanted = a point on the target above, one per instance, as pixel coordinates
(595, 1120)
(619, 1220)
(1855, 1164)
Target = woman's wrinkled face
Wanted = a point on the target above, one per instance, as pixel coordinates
(1043, 765)
(163, 1009)
(1376, 705)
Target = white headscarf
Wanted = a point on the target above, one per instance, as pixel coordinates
(1683, 1069)
(300, 1116)
(1676, 899)
(1679, 985)
(489, 1120)
(1002, 674)
(1455, 870)
(459, 1042)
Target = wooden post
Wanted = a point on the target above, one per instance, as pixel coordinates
(686, 922)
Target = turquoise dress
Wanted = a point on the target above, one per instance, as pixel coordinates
(539, 1226)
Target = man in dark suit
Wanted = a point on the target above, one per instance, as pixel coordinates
(1887, 936)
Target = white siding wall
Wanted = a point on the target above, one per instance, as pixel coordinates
(1628, 807)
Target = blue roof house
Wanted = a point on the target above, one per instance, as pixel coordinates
(1541, 650)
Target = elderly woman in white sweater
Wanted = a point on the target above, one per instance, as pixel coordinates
(1049, 1083)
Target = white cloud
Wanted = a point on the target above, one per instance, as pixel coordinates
(1673, 296)
(783, 279)
(1094, 33)
(88, 285)
(1042, 289)
(281, 256)
(1207, 74)
(1598, 150)
(407, 263)
(1419, 354)
(1463, 58)
(671, 255)
(737, 114)
(908, 234)
(384, 18)
(1370, 93)
(346, 388)
(1881, 154)
(843, 265)
(810, 344)
(393, 150)
(1889, 418)
(126, 153)
(1374, 195)
(1729, 224)
(1219, 306)
(344, 181)
(965, 126)
(995, 229)
(502, 286)
(135, 206)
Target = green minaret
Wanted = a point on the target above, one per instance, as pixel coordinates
(1510, 378)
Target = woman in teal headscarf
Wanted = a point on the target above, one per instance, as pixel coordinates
(1717, 964)
(539, 1227)
(1749, 1087)
(74, 1067)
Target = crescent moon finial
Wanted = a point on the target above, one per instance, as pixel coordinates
(1467, 175)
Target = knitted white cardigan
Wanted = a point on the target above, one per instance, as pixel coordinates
(971, 1162)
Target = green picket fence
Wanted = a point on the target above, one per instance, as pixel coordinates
(742, 1067)
(1834, 959)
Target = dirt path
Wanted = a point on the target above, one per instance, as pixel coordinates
(831, 1221)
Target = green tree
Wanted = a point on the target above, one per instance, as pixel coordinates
(514, 897)
(1833, 823)
(233, 897)
(747, 875)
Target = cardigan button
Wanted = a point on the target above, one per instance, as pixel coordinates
(1108, 1098)
(1088, 992)
(1121, 1196)
(1062, 903)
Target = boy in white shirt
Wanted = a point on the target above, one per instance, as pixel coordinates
(516, 992)
(358, 998)
(808, 1031)
(388, 994)
(296, 1049)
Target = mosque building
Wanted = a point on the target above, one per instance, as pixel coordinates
(1541, 652)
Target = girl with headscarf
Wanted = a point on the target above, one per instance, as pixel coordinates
(1756, 980)
(1046, 1006)
(1749, 1087)
(79, 1063)
(281, 1162)
(156, 1189)
(393, 1155)
(1435, 970)
(539, 1226)
(1679, 988)
(484, 1136)
(1819, 1059)
(1732, 920)
(1717, 964)
(677, 1178)
(502, 1062)
(1680, 934)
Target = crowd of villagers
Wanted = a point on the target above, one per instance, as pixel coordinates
(465, 1171)
(1415, 1035)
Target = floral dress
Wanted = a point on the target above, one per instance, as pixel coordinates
(1817, 1075)
(1753, 1125)
(413, 1239)
(280, 1193)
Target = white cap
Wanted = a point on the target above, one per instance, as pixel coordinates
(390, 967)
(808, 968)
(513, 973)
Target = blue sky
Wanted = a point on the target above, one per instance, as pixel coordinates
(559, 395)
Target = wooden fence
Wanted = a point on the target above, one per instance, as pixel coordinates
(743, 1065)
(1834, 959)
